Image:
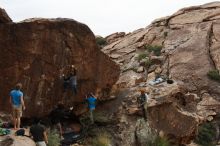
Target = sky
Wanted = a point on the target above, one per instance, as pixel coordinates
(103, 17)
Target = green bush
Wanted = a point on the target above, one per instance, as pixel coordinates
(142, 56)
(206, 135)
(165, 34)
(101, 41)
(159, 142)
(53, 138)
(103, 139)
(0, 122)
(155, 49)
(214, 75)
(148, 63)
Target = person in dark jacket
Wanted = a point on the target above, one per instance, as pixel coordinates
(57, 115)
(39, 134)
(142, 100)
(73, 80)
(70, 80)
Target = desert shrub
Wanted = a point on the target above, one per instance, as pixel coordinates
(147, 63)
(102, 139)
(53, 138)
(158, 141)
(101, 41)
(142, 55)
(101, 117)
(214, 75)
(206, 135)
(161, 142)
(155, 49)
(165, 34)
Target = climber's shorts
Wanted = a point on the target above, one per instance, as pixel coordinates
(17, 111)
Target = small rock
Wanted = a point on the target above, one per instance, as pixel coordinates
(139, 80)
(141, 44)
(152, 68)
(115, 56)
(158, 70)
(140, 69)
(143, 84)
(132, 111)
(210, 118)
(151, 76)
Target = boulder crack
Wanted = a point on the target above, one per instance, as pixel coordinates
(210, 36)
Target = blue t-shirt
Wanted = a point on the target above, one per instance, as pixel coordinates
(16, 97)
(92, 102)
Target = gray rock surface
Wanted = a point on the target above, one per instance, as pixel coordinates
(190, 42)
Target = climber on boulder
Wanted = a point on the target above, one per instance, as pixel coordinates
(66, 81)
(73, 79)
(70, 80)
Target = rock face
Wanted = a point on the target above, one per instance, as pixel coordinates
(114, 37)
(190, 47)
(36, 52)
(190, 43)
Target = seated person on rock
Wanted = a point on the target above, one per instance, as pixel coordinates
(39, 134)
(158, 73)
(158, 78)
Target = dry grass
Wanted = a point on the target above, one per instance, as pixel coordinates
(102, 139)
(53, 138)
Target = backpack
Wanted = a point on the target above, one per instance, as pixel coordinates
(20, 132)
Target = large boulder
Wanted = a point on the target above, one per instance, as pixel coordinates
(144, 133)
(4, 18)
(182, 125)
(36, 52)
(16, 141)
